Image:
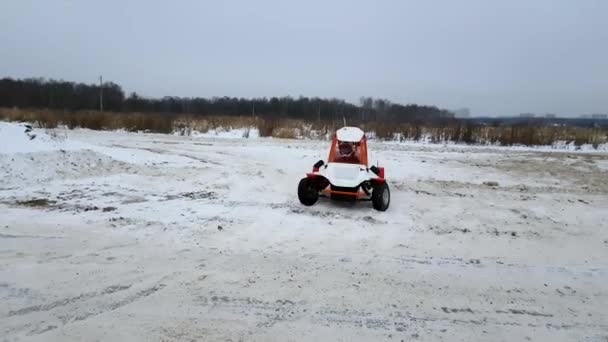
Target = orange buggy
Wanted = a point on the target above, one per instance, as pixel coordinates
(347, 174)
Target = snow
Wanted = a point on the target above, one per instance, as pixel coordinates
(138, 237)
(229, 133)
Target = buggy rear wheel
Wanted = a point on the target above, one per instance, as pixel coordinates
(308, 194)
(381, 196)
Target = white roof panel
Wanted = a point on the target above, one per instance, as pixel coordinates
(350, 134)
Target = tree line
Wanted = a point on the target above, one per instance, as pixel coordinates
(73, 96)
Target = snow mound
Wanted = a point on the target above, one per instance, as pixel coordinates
(23, 138)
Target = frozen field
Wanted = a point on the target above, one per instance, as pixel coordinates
(140, 237)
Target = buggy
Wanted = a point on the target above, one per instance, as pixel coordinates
(347, 174)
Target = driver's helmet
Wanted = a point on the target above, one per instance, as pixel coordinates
(346, 148)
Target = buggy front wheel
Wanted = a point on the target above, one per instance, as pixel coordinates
(307, 192)
(381, 196)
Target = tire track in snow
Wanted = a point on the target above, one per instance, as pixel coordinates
(81, 312)
(68, 300)
(267, 313)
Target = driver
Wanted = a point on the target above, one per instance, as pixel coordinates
(347, 153)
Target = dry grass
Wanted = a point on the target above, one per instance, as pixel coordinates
(503, 135)
(285, 133)
(188, 123)
(266, 127)
(284, 128)
(290, 128)
(150, 122)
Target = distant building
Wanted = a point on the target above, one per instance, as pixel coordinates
(550, 116)
(527, 115)
(599, 116)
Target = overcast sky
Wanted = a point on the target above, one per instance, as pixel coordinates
(494, 57)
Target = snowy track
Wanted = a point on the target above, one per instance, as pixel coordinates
(117, 236)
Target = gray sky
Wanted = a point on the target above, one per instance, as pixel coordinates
(495, 57)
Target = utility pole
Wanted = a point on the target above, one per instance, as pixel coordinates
(101, 93)
(253, 108)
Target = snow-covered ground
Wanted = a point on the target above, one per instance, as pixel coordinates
(119, 236)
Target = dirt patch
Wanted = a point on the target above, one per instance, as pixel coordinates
(134, 199)
(75, 207)
(36, 203)
(193, 195)
(121, 221)
(456, 310)
(440, 230)
(523, 312)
